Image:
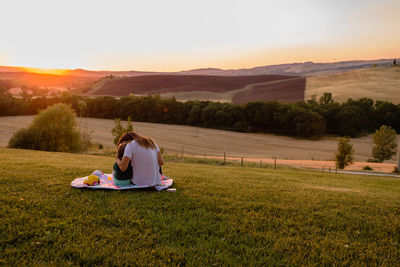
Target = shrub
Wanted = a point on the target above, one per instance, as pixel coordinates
(119, 130)
(53, 129)
(344, 155)
(367, 168)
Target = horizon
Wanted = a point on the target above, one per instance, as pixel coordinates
(57, 71)
(185, 35)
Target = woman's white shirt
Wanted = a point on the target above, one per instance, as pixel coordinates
(144, 163)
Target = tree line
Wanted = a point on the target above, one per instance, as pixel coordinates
(303, 119)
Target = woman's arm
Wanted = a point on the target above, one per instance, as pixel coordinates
(160, 159)
(123, 164)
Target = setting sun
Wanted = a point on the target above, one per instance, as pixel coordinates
(44, 71)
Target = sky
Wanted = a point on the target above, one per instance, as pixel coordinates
(172, 35)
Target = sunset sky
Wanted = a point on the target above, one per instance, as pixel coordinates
(186, 34)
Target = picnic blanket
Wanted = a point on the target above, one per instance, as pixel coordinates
(106, 182)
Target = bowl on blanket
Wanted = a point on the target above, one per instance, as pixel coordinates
(91, 180)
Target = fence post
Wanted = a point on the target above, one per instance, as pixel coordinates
(260, 163)
(241, 161)
(183, 150)
(224, 158)
(274, 163)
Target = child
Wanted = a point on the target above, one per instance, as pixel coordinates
(120, 177)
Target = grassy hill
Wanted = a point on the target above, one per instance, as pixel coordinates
(237, 89)
(220, 215)
(379, 83)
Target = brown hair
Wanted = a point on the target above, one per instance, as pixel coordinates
(121, 150)
(144, 141)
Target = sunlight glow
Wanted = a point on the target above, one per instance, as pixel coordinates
(172, 35)
(44, 71)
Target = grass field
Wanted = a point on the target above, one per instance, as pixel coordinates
(220, 215)
(380, 83)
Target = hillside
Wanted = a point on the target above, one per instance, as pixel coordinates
(219, 215)
(215, 87)
(296, 69)
(289, 90)
(379, 83)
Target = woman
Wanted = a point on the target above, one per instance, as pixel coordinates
(144, 156)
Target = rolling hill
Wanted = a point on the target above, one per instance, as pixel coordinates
(235, 89)
(379, 83)
(285, 82)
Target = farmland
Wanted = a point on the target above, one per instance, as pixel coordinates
(379, 83)
(175, 139)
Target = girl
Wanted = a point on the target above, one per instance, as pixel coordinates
(144, 156)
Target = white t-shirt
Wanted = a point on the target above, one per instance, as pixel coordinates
(144, 163)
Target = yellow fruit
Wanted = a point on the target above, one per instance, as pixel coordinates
(92, 180)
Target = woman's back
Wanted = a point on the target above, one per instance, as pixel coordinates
(144, 163)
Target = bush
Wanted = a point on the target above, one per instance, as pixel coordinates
(119, 130)
(344, 155)
(367, 168)
(53, 129)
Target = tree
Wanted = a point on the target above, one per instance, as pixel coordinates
(351, 119)
(53, 129)
(344, 155)
(119, 130)
(326, 99)
(385, 143)
(194, 116)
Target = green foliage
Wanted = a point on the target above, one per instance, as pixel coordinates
(345, 151)
(314, 119)
(350, 120)
(385, 143)
(53, 129)
(219, 215)
(367, 168)
(119, 130)
(194, 116)
(326, 99)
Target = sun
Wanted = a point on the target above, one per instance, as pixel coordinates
(45, 71)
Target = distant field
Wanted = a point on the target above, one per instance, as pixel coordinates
(236, 89)
(289, 90)
(211, 142)
(379, 83)
(219, 216)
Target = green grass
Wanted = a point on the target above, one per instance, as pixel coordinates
(220, 215)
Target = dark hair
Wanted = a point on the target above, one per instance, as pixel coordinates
(146, 142)
(121, 150)
(126, 137)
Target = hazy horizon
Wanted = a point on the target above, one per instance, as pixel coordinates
(183, 35)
